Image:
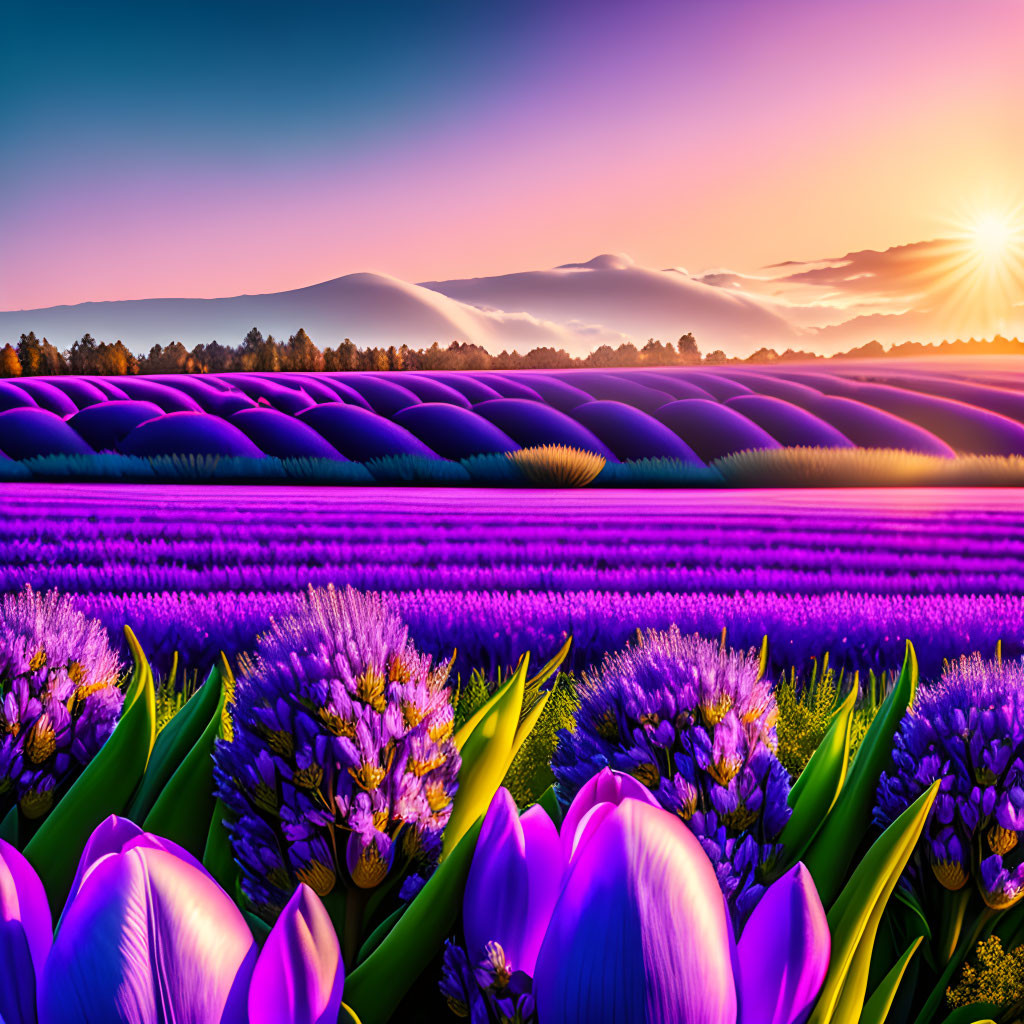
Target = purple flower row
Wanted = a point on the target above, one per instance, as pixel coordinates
(491, 629)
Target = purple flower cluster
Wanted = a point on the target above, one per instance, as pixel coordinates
(693, 722)
(341, 763)
(489, 990)
(967, 730)
(59, 697)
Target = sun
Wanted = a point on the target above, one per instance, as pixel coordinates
(994, 237)
(977, 276)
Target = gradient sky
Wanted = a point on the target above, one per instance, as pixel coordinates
(211, 149)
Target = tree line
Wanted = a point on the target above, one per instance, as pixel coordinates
(33, 356)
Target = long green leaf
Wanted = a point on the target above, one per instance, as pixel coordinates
(549, 668)
(485, 758)
(172, 745)
(377, 985)
(970, 1014)
(876, 1009)
(184, 810)
(855, 914)
(816, 790)
(831, 850)
(105, 786)
(464, 731)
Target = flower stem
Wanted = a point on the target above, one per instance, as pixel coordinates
(354, 906)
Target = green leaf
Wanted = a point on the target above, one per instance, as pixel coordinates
(763, 661)
(380, 933)
(173, 743)
(463, 733)
(105, 786)
(184, 810)
(218, 856)
(974, 1014)
(352, 1017)
(816, 790)
(876, 1009)
(376, 986)
(549, 668)
(485, 757)
(831, 850)
(854, 917)
(549, 801)
(525, 727)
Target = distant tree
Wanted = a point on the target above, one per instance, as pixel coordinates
(603, 355)
(763, 355)
(716, 358)
(82, 357)
(51, 361)
(301, 354)
(30, 354)
(687, 348)
(9, 363)
(175, 358)
(214, 358)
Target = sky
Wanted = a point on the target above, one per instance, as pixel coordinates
(219, 148)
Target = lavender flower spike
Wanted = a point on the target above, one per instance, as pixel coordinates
(59, 698)
(342, 762)
(967, 731)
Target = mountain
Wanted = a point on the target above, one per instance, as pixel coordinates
(576, 307)
(371, 309)
(636, 301)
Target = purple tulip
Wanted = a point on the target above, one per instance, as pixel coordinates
(783, 952)
(26, 931)
(640, 930)
(148, 937)
(299, 975)
(595, 801)
(513, 883)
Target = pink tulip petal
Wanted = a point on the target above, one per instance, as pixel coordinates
(497, 890)
(148, 940)
(545, 868)
(25, 936)
(299, 976)
(784, 952)
(606, 787)
(639, 932)
(109, 836)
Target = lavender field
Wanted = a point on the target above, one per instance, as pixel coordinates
(196, 570)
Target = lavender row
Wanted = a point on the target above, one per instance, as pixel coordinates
(635, 580)
(733, 553)
(490, 630)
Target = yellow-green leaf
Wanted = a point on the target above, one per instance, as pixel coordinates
(485, 757)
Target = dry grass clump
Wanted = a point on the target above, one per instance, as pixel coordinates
(867, 467)
(558, 465)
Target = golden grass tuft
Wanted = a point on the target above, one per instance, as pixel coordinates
(558, 465)
(867, 467)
